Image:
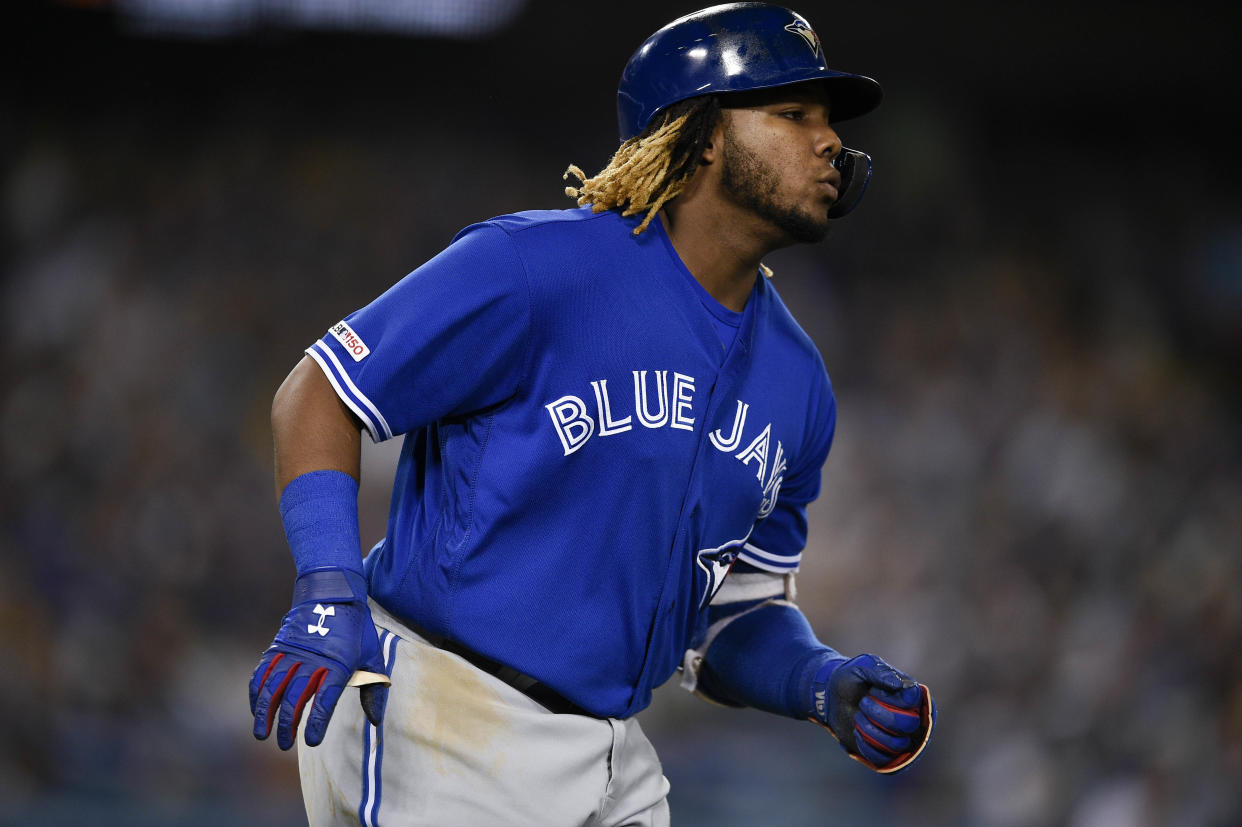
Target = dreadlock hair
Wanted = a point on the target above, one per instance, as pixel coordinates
(653, 167)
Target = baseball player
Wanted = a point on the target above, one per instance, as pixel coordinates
(612, 430)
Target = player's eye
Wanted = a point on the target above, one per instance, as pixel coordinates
(793, 114)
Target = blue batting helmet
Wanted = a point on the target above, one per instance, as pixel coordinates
(732, 48)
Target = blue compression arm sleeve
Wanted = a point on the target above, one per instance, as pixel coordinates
(319, 510)
(767, 659)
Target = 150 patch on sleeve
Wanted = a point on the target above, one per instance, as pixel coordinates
(352, 342)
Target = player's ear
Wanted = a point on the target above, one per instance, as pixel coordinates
(711, 150)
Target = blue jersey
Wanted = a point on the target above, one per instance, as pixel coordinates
(590, 441)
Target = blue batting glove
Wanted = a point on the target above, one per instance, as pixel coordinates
(883, 718)
(325, 637)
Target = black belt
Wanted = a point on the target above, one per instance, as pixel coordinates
(537, 691)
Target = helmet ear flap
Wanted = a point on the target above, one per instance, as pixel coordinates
(855, 169)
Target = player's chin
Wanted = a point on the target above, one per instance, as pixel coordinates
(806, 227)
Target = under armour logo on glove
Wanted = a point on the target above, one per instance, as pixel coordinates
(318, 627)
(303, 669)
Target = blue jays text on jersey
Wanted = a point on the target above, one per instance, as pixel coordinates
(591, 440)
(575, 424)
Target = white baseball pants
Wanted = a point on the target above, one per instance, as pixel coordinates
(461, 747)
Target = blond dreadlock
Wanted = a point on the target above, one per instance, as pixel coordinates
(650, 169)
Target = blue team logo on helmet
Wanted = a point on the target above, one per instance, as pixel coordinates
(803, 30)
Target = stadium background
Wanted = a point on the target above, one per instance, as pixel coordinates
(1033, 324)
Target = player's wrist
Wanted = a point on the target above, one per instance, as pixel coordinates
(319, 511)
(330, 584)
(815, 684)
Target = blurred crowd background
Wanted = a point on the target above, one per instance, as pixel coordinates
(1033, 324)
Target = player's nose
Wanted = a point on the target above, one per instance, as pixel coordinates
(827, 142)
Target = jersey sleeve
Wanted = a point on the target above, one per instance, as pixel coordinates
(776, 543)
(448, 339)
